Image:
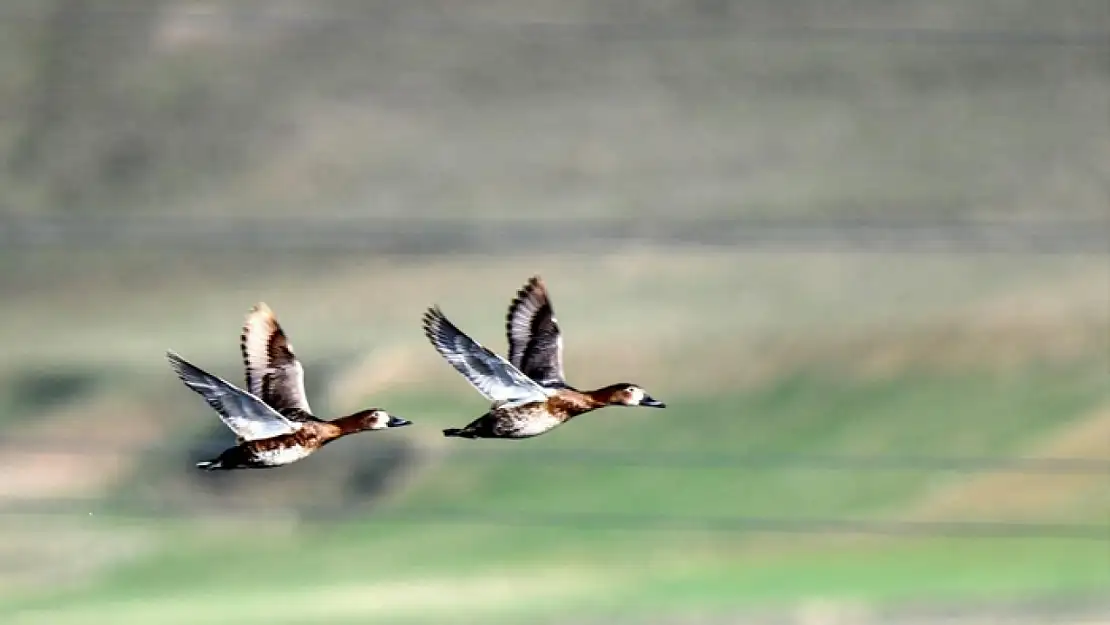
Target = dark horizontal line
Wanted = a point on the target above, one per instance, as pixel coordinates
(674, 26)
(429, 237)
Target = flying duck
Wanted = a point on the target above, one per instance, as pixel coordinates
(272, 421)
(529, 393)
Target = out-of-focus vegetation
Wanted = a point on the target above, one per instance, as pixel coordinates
(855, 430)
(586, 110)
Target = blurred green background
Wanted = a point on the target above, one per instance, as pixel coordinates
(860, 249)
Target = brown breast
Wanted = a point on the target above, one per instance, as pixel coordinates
(567, 403)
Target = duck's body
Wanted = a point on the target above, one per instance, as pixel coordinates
(273, 423)
(529, 392)
(264, 454)
(286, 449)
(538, 417)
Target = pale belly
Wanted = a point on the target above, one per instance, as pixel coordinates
(533, 425)
(283, 455)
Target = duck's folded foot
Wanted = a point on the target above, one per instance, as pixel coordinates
(210, 465)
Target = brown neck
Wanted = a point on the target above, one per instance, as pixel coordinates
(580, 402)
(348, 425)
(603, 396)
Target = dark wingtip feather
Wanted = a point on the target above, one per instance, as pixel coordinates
(437, 328)
(432, 314)
(522, 294)
(432, 319)
(185, 370)
(177, 363)
(534, 283)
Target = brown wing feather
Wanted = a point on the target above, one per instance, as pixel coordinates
(273, 372)
(535, 342)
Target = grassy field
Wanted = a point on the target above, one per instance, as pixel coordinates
(818, 401)
(598, 539)
(919, 426)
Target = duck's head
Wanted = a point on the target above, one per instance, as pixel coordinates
(627, 394)
(377, 419)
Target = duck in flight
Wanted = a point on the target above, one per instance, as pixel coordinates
(529, 393)
(272, 421)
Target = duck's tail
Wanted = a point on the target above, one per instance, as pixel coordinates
(461, 432)
(210, 465)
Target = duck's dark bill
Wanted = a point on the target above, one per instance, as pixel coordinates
(396, 422)
(652, 403)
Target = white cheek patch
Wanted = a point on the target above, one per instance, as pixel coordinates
(637, 395)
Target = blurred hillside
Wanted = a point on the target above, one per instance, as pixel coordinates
(859, 248)
(578, 110)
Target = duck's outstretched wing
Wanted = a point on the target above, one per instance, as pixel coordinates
(492, 375)
(246, 415)
(535, 342)
(273, 372)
